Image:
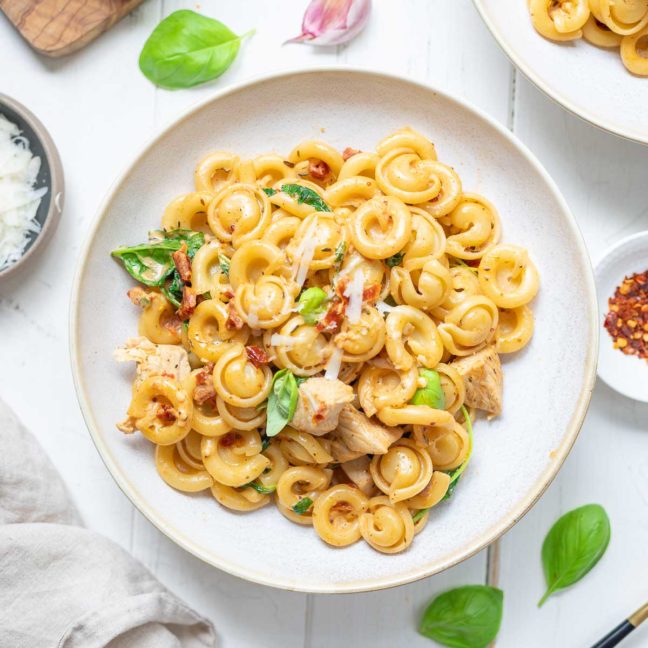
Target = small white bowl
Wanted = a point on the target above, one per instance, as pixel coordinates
(624, 373)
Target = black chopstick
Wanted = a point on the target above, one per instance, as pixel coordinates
(624, 628)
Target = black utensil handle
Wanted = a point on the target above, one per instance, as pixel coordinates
(613, 637)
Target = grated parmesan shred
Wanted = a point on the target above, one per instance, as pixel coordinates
(334, 364)
(354, 293)
(276, 339)
(18, 199)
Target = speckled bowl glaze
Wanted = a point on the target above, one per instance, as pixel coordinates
(50, 176)
(547, 386)
(589, 81)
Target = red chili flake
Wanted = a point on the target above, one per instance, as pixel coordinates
(205, 373)
(257, 356)
(627, 319)
(349, 152)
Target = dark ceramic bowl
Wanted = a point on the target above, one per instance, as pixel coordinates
(50, 176)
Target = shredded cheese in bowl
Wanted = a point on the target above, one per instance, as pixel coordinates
(19, 200)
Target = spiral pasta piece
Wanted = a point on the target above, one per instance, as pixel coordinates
(514, 330)
(271, 168)
(161, 409)
(301, 448)
(559, 21)
(626, 18)
(403, 472)
(636, 61)
(360, 164)
(215, 171)
(301, 483)
(364, 339)
(474, 227)
(157, 314)
(454, 388)
(381, 387)
(380, 227)
(423, 283)
(305, 350)
(409, 139)
(327, 233)
(336, 515)
(599, 34)
(234, 459)
(412, 337)
(469, 326)
(387, 527)
(508, 277)
(238, 381)
(433, 492)
(177, 473)
(427, 238)
(448, 445)
(351, 192)
(208, 331)
(239, 213)
(239, 499)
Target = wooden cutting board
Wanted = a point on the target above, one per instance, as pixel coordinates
(58, 27)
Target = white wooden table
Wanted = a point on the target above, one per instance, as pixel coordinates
(100, 110)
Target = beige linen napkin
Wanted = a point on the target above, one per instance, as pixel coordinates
(67, 587)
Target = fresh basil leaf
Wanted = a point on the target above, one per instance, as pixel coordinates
(306, 195)
(224, 264)
(312, 304)
(260, 488)
(265, 443)
(432, 394)
(574, 544)
(282, 402)
(464, 617)
(303, 505)
(453, 484)
(269, 191)
(187, 49)
(419, 514)
(395, 260)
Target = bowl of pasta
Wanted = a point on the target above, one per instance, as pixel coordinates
(590, 56)
(370, 347)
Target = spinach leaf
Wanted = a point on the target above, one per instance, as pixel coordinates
(419, 514)
(282, 402)
(224, 264)
(187, 49)
(574, 544)
(149, 263)
(152, 263)
(395, 260)
(312, 304)
(269, 191)
(432, 394)
(173, 289)
(464, 617)
(303, 505)
(260, 488)
(306, 195)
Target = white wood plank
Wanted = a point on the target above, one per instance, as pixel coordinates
(603, 179)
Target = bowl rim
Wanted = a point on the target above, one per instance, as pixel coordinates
(580, 112)
(598, 268)
(56, 187)
(377, 583)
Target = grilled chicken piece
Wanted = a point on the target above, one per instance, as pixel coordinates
(319, 405)
(482, 375)
(154, 359)
(340, 451)
(361, 434)
(358, 472)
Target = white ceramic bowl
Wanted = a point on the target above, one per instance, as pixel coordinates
(547, 386)
(626, 374)
(589, 81)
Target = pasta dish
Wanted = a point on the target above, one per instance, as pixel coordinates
(319, 330)
(605, 23)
